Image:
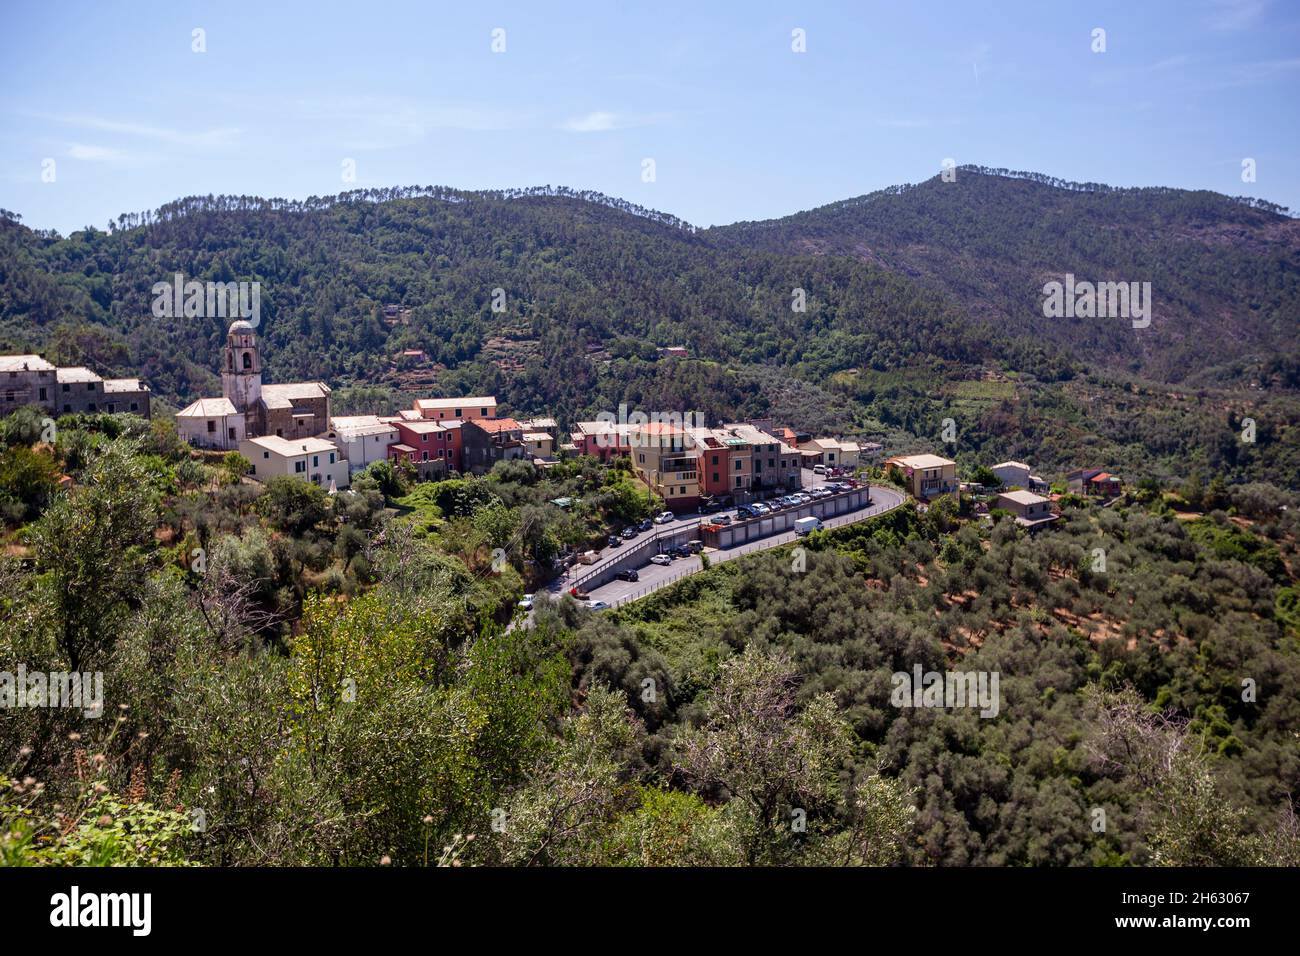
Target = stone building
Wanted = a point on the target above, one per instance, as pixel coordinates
(30, 380)
(251, 408)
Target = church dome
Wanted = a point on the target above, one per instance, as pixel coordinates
(239, 325)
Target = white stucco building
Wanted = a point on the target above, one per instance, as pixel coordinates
(362, 438)
(311, 459)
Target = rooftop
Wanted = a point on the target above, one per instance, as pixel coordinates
(24, 363)
(296, 391)
(112, 385)
(355, 426)
(494, 426)
(291, 449)
(207, 408)
(1023, 497)
(922, 461)
(451, 404)
(77, 374)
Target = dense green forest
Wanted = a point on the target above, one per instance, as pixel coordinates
(292, 677)
(920, 304)
(296, 678)
(1222, 270)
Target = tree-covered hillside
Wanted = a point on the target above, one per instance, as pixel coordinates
(940, 321)
(1225, 273)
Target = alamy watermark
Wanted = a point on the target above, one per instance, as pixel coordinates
(75, 690)
(947, 689)
(207, 300)
(1100, 300)
(638, 429)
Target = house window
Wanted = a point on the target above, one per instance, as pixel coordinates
(715, 476)
(266, 454)
(232, 432)
(212, 426)
(300, 466)
(92, 407)
(331, 458)
(485, 413)
(135, 407)
(424, 456)
(315, 461)
(90, 386)
(42, 393)
(67, 387)
(458, 413)
(248, 360)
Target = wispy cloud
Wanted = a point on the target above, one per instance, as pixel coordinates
(603, 121)
(164, 134)
(96, 154)
(1234, 14)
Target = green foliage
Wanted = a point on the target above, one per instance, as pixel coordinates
(28, 480)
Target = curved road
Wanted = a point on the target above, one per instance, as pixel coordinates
(653, 576)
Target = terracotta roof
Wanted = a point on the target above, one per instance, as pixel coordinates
(494, 426)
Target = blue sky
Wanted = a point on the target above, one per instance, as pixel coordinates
(739, 125)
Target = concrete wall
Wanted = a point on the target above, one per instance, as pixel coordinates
(742, 532)
(636, 553)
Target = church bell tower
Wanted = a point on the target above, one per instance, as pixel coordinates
(241, 375)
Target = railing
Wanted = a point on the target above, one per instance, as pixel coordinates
(760, 544)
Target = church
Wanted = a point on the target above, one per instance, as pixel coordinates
(248, 408)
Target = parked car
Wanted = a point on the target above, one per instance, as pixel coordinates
(615, 541)
(819, 469)
(646, 525)
(628, 574)
(526, 602)
(695, 546)
(661, 559)
(664, 517)
(760, 509)
(820, 493)
(722, 519)
(679, 552)
(597, 606)
(745, 511)
(630, 533)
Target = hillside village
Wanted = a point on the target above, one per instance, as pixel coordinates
(289, 429)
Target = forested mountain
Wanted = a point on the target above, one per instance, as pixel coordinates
(1224, 273)
(918, 305)
(300, 678)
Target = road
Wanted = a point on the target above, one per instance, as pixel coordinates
(653, 576)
